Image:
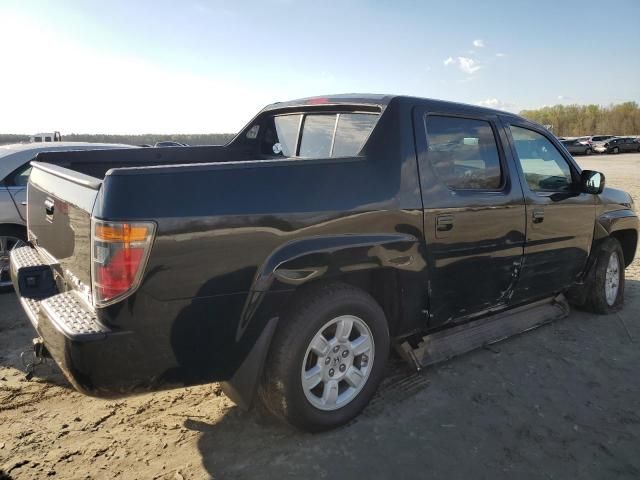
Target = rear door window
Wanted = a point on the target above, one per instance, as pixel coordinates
(463, 152)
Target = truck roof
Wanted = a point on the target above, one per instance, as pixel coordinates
(376, 99)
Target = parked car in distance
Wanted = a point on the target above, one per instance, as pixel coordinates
(578, 146)
(599, 138)
(286, 263)
(618, 145)
(14, 173)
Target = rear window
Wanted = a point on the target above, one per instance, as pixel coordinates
(318, 135)
(287, 134)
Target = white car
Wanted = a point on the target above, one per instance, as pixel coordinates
(15, 166)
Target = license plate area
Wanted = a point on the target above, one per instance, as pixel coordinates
(36, 282)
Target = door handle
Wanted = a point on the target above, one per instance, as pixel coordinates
(538, 215)
(49, 206)
(444, 223)
(24, 204)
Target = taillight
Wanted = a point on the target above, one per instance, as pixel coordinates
(119, 254)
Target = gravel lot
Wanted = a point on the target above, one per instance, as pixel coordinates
(559, 402)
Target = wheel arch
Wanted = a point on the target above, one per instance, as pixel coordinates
(387, 267)
(621, 225)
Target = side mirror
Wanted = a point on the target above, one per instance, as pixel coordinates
(591, 182)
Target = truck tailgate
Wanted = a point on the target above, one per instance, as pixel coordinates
(59, 205)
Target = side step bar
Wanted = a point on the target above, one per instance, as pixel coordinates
(443, 345)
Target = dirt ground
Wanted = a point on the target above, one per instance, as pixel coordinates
(560, 402)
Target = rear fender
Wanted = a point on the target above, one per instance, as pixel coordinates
(308, 260)
(329, 257)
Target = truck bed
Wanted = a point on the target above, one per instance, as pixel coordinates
(96, 164)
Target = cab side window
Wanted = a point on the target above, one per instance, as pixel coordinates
(544, 167)
(463, 152)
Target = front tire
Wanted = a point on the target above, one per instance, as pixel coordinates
(605, 293)
(616, 150)
(588, 151)
(327, 358)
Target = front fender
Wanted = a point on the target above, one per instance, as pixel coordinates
(609, 222)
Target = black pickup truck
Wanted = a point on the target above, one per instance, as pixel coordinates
(287, 263)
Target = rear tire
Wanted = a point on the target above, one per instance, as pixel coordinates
(10, 237)
(605, 286)
(588, 151)
(327, 358)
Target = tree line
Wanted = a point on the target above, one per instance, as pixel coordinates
(144, 139)
(564, 120)
(579, 120)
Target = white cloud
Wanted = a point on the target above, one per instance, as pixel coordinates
(466, 64)
(497, 104)
(566, 98)
(500, 54)
(478, 43)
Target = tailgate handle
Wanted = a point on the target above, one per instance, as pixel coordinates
(49, 206)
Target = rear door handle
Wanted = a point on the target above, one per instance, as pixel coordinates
(538, 215)
(444, 223)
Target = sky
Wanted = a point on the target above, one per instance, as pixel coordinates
(207, 66)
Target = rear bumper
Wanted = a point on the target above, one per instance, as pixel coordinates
(86, 350)
(142, 344)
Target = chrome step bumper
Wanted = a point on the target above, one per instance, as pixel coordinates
(34, 283)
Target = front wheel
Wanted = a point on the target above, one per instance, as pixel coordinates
(616, 150)
(588, 151)
(327, 358)
(605, 292)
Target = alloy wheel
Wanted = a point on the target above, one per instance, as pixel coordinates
(337, 363)
(612, 279)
